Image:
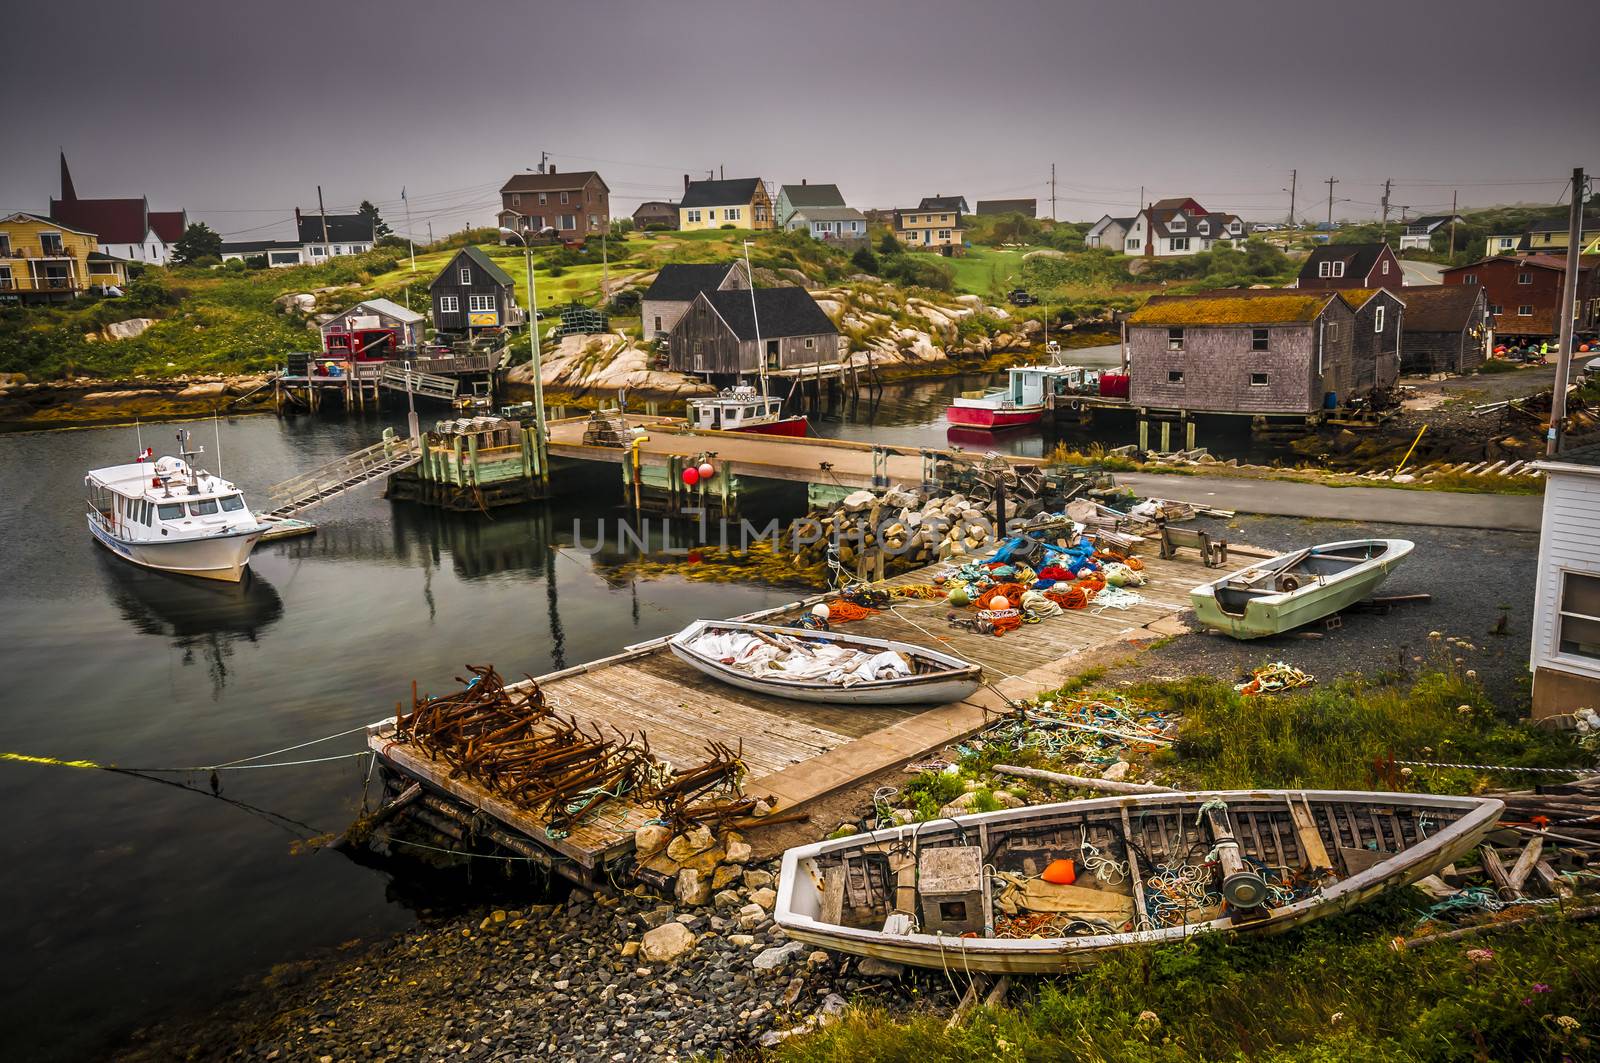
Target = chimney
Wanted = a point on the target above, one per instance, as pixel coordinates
(297, 219)
(685, 184)
(802, 182)
(551, 168)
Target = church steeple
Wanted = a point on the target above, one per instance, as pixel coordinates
(68, 193)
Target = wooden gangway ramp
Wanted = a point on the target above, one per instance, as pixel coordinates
(797, 752)
(331, 479)
(838, 461)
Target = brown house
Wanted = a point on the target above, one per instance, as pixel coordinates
(1276, 351)
(656, 214)
(1525, 293)
(728, 333)
(566, 206)
(1375, 344)
(1351, 266)
(1447, 328)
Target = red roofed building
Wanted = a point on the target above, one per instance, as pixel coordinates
(1524, 293)
(125, 228)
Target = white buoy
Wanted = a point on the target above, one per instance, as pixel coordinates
(821, 611)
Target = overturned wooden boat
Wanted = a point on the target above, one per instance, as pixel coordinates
(1297, 588)
(1052, 887)
(828, 666)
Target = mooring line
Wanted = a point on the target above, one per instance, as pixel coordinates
(56, 762)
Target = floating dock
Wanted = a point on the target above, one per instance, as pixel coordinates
(796, 752)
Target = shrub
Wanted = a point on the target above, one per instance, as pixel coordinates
(865, 261)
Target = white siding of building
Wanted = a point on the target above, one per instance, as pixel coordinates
(1569, 541)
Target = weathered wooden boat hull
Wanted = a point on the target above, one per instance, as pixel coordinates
(801, 886)
(217, 557)
(956, 684)
(1275, 614)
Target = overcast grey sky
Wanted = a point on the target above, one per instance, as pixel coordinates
(237, 111)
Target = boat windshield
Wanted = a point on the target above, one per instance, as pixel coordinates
(170, 510)
(203, 508)
(232, 503)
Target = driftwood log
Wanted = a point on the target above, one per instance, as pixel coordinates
(1107, 785)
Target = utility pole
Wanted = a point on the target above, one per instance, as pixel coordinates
(1453, 224)
(324, 211)
(1294, 179)
(410, 240)
(1569, 296)
(1331, 182)
(430, 233)
(544, 161)
(1383, 231)
(1052, 191)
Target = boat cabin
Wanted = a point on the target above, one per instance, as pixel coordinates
(1029, 385)
(145, 500)
(735, 408)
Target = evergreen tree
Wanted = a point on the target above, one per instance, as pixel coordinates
(380, 228)
(198, 241)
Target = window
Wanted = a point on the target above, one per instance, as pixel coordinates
(711, 214)
(1178, 225)
(543, 199)
(170, 510)
(232, 503)
(811, 343)
(694, 215)
(1333, 330)
(1180, 243)
(5, 277)
(1524, 278)
(1525, 310)
(732, 214)
(1204, 228)
(563, 197)
(594, 221)
(5, 245)
(516, 200)
(1578, 632)
(1469, 278)
(1258, 380)
(568, 221)
(1496, 309)
(1133, 245)
(203, 508)
(1258, 339)
(480, 304)
(1175, 376)
(448, 304)
(50, 243)
(1174, 339)
(1377, 319)
(944, 234)
(466, 275)
(1385, 266)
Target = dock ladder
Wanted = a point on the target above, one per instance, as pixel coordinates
(397, 377)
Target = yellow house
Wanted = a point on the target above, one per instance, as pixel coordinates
(1550, 237)
(742, 203)
(42, 260)
(937, 229)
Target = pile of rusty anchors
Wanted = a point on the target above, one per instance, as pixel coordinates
(679, 800)
(512, 744)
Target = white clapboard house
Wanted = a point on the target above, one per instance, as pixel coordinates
(1565, 656)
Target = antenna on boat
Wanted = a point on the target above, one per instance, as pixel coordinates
(216, 423)
(138, 436)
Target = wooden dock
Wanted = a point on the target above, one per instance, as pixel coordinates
(797, 752)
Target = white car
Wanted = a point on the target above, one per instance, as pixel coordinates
(1591, 369)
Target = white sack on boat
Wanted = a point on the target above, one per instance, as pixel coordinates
(821, 663)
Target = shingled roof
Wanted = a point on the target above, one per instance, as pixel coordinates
(1358, 259)
(342, 228)
(1276, 306)
(783, 312)
(114, 221)
(679, 282)
(488, 265)
(551, 182)
(1441, 307)
(813, 195)
(737, 191)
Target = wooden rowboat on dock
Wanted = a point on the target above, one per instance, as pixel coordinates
(807, 665)
(1053, 887)
(1297, 588)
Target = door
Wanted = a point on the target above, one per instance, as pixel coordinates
(774, 360)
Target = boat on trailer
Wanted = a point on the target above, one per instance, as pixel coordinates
(1054, 887)
(808, 665)
(743, 409)
(166, 514)
(1297, 588)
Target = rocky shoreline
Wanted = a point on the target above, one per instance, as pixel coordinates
(592, 977)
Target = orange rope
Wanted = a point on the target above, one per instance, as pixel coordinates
(1073, 597)
(842, 612)
(1011, 592)
(1091, 582)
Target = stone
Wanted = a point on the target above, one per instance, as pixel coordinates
(777, 956)
(791, 994)
(666, 943)
(690, 843)
(766, 897)
(738, 852)
(817, 959)
(724, 876)
(650, 839)
(1116, 772)
(630, 949)
(127, 330)
(726, 899)
(98, 397)
(872, 967)
(692, 888)
(755, 878)
(751, 916)
(656, 916)
(741, 941)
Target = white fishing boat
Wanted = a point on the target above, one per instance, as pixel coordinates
(743, 409)
(1052, 887)
(167, 514)
(827, 666)
(1297, 588)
